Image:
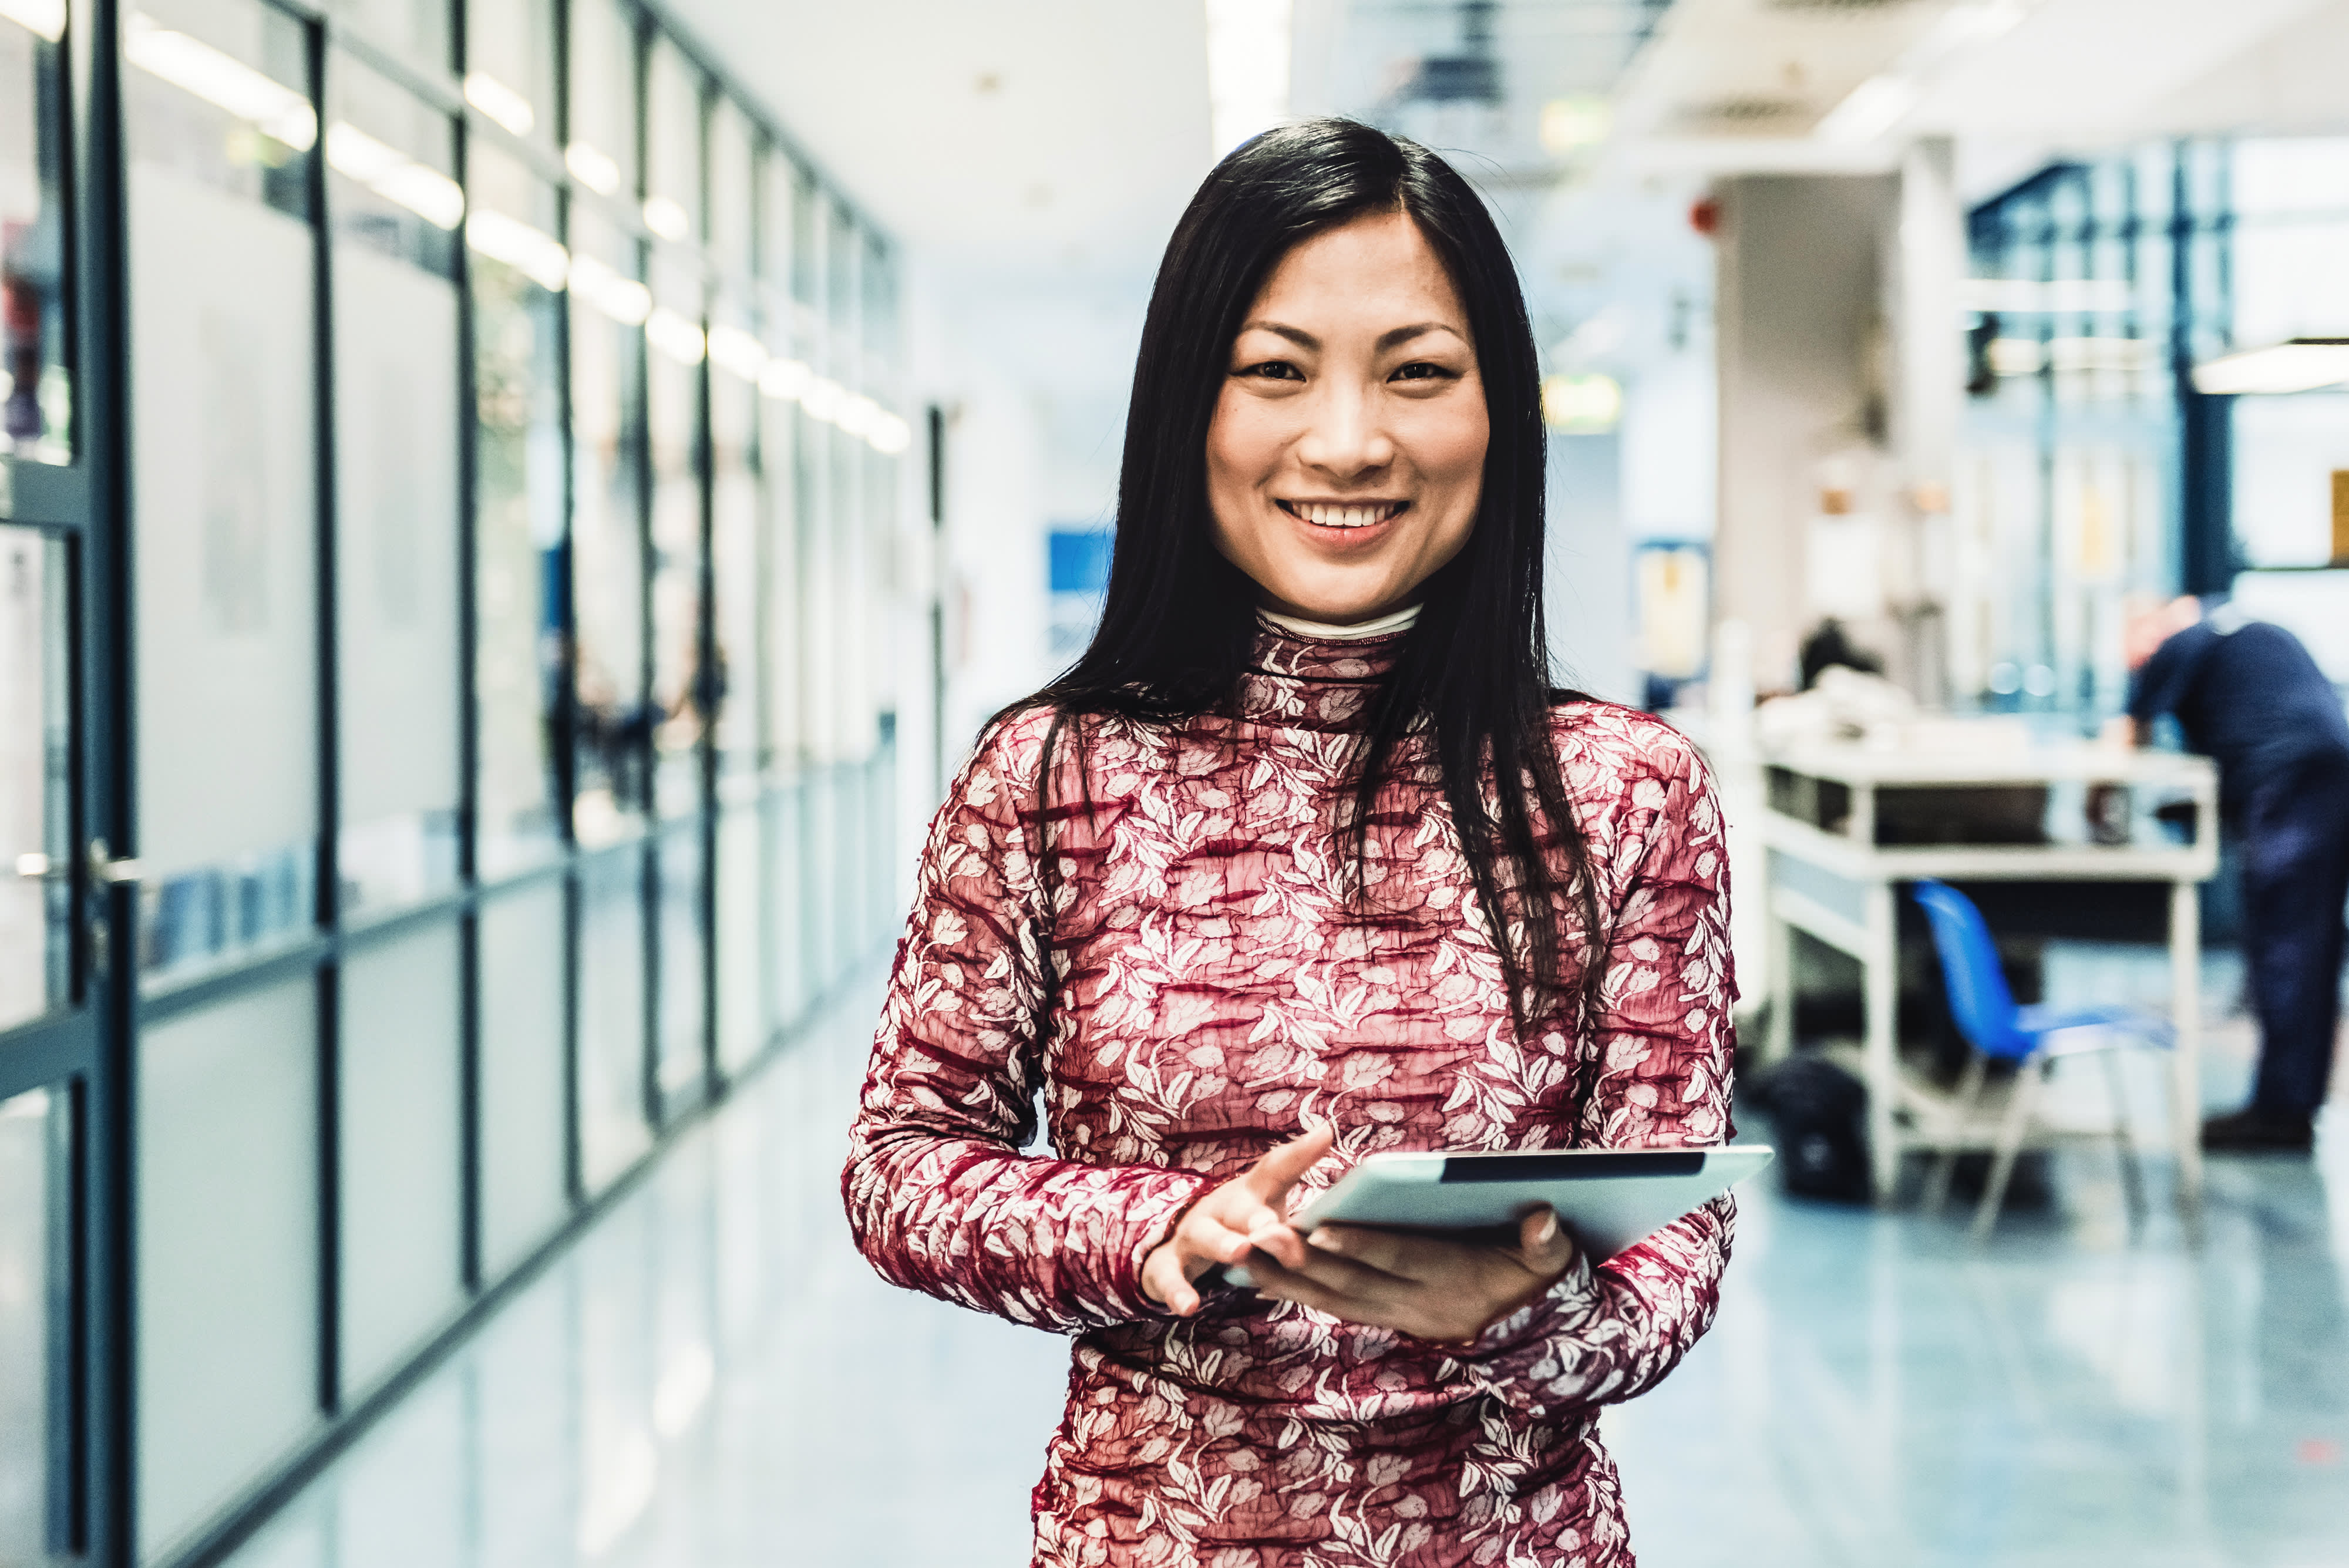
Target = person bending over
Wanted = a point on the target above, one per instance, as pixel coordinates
(2247, 694)
(1304, 859)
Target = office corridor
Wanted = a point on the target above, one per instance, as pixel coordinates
(712, 1378)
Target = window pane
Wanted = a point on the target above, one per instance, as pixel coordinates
(35, 936)
(417, 30)
(510, 65)
(684, 983)
(223, 397)
(607, 542)
(683, 693)
(737, 551)
(396, 209)
(783, 622)
(227, 1142)
(743, 944)
(33, 1159)
(524, 1191)
(672, 144)
(791, 988)
(400, 1108)
(602, 154)
(517, 267)
(35, 391)
(731, 210)
(611, 1128)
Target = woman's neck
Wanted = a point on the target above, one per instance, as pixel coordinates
(1297, 626)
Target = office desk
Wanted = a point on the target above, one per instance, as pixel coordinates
(1833, 872)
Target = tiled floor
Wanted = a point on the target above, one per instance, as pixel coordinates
(712, 1379)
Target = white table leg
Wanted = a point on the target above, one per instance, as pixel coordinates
(2186, 1069)
(1880, 977)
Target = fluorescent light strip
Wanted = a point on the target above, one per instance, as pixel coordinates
(667, 219)
(1874, 107)
(675, 335)
(2302, 365)
(592, 168)
(784, 380)
(735, 351)
(42, 19)
(396, 177)
(272, 107)
(537, 256)
(623, 299)
(499, 102)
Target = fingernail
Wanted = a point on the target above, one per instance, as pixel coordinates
(1548, 1230)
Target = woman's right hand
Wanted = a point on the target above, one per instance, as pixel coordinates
(1216, 1229)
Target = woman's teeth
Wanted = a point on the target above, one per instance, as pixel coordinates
(1345, 516)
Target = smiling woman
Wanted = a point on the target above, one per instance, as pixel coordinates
(1303, 860)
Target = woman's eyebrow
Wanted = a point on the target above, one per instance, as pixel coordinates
(1388, 340)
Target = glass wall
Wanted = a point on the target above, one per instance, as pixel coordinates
(2093, 469)
(509, 477)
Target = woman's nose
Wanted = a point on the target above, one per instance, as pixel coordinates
(1345, 437)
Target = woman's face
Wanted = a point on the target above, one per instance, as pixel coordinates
(1347, 452)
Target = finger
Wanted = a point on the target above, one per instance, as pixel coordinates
(1332, 1271)
(1546, 1246)
(1281, 1242)
(1164, 1282)
(1271, 1176)
(1282, 1283)
(1393, 1252)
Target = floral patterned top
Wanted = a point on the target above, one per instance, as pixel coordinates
(1214, 991)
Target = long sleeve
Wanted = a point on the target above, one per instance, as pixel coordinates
(939, 1196)
(1658, 1051)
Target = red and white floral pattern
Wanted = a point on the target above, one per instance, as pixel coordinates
(1213, 989)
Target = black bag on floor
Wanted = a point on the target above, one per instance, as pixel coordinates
(1817, 1114)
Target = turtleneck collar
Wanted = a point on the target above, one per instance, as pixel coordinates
(1308, 676)
(1319, 631)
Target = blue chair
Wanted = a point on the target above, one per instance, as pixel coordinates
(2034, 1039)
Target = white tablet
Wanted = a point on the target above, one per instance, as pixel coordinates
(1610, 1199)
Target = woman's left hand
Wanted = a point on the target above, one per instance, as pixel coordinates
(1424, 1287)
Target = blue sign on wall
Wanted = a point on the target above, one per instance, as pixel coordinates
(1080, 560)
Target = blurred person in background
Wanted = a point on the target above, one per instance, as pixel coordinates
(2247, 694)
(1304, 859)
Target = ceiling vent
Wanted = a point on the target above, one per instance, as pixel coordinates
(1742, 112)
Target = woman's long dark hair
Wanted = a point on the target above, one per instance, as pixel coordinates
(1473, 673)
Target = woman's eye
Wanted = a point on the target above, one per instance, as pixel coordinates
(1420, 370)
(1274, 370)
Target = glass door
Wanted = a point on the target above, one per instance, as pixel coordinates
(61, 893)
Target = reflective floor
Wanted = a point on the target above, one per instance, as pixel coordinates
(712, 1379)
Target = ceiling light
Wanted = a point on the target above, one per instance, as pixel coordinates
(2302, 365)
(1875, 107)
(43, 18)
(273, 108)
(1248, 69)
(667, 219)
(1570, 124)
(499, 102)
(538, 256)
(592, 168)
(890, 435)
(1583, 405)
(856, 415)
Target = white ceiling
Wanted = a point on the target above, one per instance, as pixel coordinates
(1041, 136)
